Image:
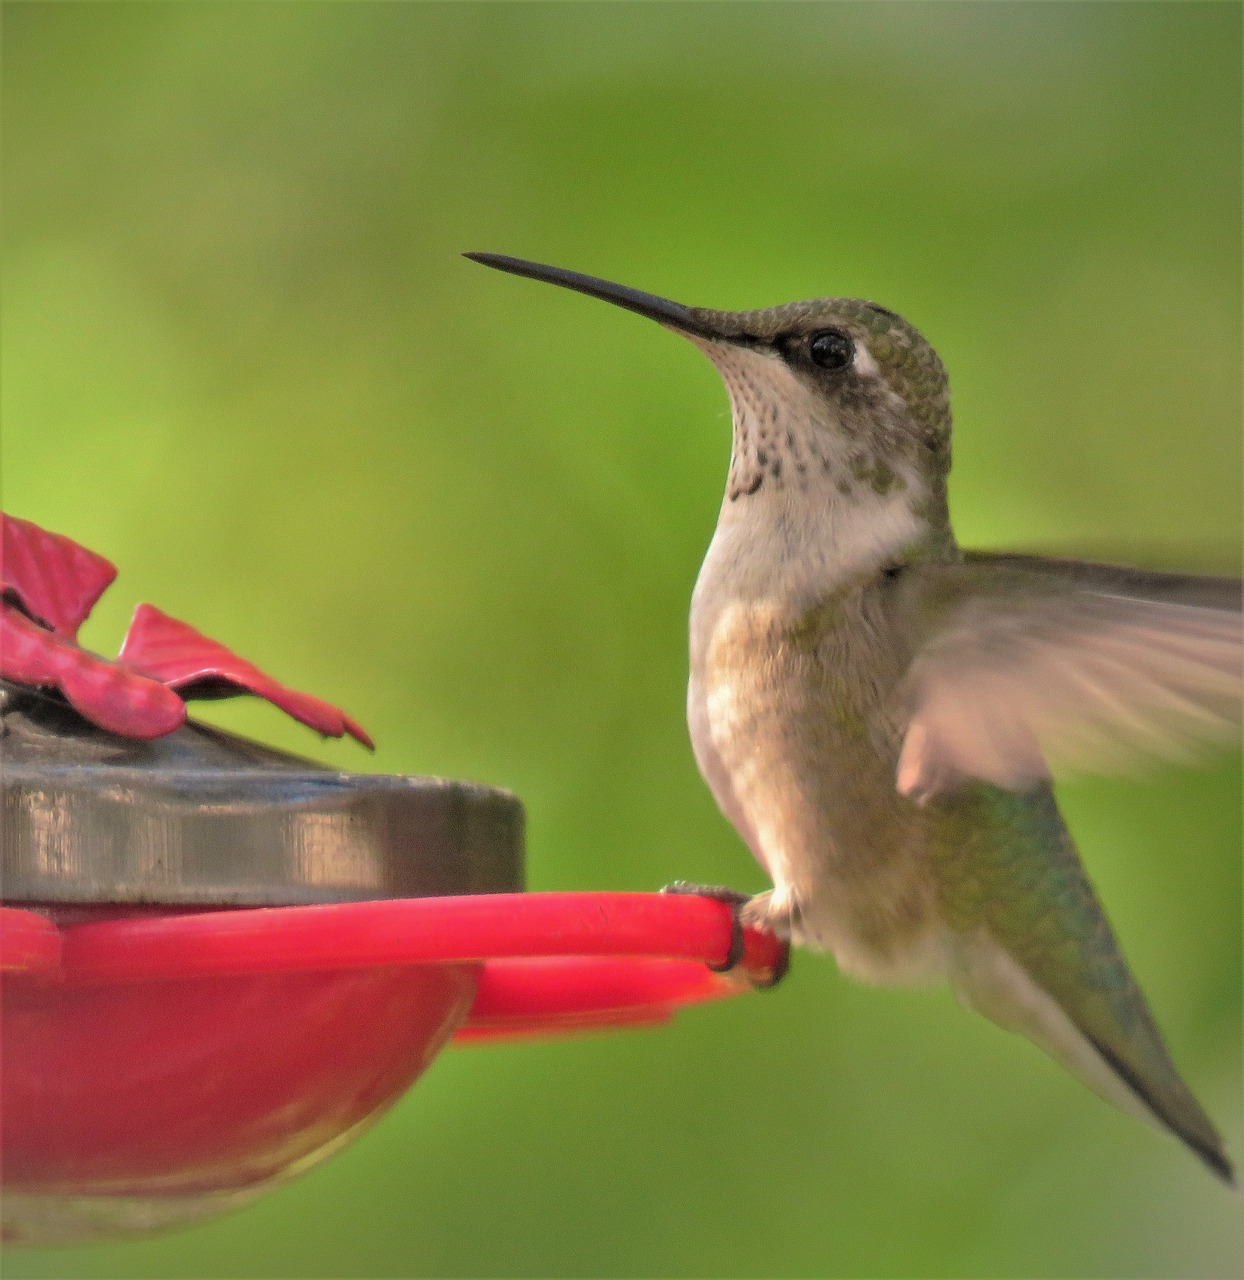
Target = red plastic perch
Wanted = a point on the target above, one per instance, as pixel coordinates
(550, 961)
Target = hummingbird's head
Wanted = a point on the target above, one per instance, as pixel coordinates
(838, 386)
(835, 396)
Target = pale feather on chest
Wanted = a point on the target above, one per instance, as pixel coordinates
(759, 581)
(782, 554)
(785, 710)
(773, 566)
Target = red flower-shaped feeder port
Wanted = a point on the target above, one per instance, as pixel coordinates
(222, 962)
(50, 585)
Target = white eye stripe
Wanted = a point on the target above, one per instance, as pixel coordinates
(865, 365)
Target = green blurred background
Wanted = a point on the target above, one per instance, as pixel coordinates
(242, 358)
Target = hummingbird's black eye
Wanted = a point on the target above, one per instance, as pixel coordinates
(831, 349)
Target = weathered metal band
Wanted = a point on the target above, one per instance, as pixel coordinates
(206, 817)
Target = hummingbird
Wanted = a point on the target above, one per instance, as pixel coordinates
(881, 714)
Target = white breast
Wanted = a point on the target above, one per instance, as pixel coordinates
(786, 547)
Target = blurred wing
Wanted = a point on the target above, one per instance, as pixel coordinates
(1024, 665)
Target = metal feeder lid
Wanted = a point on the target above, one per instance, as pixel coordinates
(203, 817)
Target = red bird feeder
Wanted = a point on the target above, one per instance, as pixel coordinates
(220, 962)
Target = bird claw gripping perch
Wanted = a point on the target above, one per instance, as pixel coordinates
(49, 585)
(736, 901)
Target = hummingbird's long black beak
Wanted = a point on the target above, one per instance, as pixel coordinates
(685, 319)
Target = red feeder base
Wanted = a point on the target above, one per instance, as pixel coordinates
(161, 1067)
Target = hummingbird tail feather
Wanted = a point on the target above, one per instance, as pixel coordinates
(995, 984)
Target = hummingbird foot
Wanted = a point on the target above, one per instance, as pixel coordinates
(773, 913)
(745, 910)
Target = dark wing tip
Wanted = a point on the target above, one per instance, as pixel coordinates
(1206, 1145)
(1223, 1168)
(1216, 1160)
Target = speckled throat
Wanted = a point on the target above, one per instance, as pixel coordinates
(784, 437)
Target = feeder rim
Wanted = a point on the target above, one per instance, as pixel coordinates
(549, 962)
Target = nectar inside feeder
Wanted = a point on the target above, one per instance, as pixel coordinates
(222, 962)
